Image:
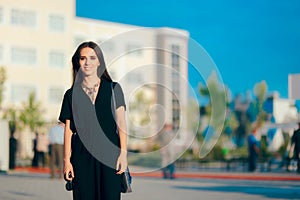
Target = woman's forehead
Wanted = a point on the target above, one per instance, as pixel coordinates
(87, 51)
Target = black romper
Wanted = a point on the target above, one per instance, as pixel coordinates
(94, 148)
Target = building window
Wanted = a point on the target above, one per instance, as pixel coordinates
(23, 56)
(175, 63)
(20, 93)
(1, 15)
(175, 56)
(23, 18)
(133, 50)
(55, 94)
(56, 59)
(175, 83)
(56, 23)
(1, 53)
(175, 113)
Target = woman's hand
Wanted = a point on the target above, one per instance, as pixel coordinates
(68, 171)
(122, 162)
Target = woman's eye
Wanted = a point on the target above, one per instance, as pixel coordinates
(82, 58)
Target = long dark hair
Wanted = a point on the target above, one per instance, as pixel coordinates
(101, 72)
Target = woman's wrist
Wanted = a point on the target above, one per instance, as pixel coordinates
(123, 152)
(67, 160)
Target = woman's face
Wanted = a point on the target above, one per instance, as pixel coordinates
(88, 61)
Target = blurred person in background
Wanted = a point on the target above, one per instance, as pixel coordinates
(167, 152)
(13, 144)
(295, 140)
(35, 159)
(42, 147)
(253, 150)
(56, 149)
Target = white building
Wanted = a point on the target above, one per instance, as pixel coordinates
(285, 116)
(294, 82)
(38, 39)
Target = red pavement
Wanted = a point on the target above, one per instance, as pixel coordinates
(227, 175)
(41, 170)
(267, 176)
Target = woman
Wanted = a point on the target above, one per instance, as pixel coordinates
(94, 154)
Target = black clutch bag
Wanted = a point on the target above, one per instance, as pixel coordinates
(69, 185)
(126, 182)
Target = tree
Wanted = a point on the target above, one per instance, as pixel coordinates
(2, 81)
(11, 115)
(217, 96)
(25, 121)
(31, 114)
(194, 126)
(140, 126)
(258, 114)
(140, 107)
(216, 111)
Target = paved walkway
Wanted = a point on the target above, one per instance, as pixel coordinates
(140, 172)
(35, 184)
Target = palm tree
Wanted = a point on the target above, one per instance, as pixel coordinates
(2, 81)
(11, 115)
(31, 114)
(140, 126)
(30, 118)
(260, 91)
(215, 110)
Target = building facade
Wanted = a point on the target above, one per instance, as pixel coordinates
(38, 39)
(283, 118)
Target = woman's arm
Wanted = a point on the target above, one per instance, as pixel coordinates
(122, 129)
(68, 168)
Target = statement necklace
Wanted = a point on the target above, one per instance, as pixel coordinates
(91, 91)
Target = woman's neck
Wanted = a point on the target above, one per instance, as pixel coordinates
(90, 81)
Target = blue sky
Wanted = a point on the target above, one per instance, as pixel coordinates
(249, 41)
